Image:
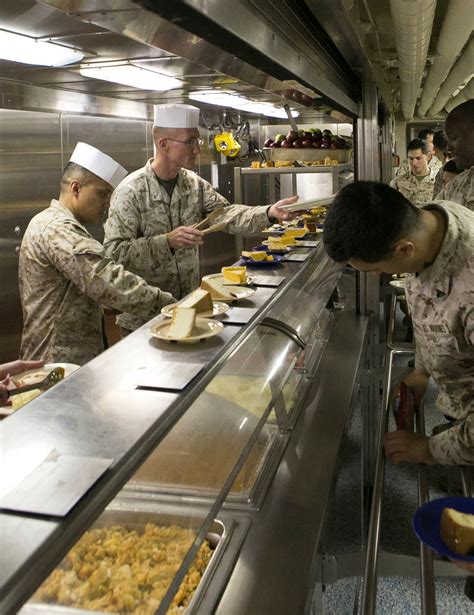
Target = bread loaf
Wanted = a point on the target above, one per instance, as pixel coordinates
(457, 531)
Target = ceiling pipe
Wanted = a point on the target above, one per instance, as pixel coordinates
(460, 73)
(413, 22)
(465, 94)
(455, 32)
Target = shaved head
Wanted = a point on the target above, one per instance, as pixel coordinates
(460, 132)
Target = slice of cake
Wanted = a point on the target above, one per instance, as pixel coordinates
(199, 299)
(295, 232)
(235, 275)
(287, 240)
(457, 531)
(256, 255)
(218, 291)
(182, 323)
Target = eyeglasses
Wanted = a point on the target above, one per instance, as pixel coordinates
(194, 142)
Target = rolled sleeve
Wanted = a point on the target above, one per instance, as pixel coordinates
(455, 446)
(82, 261)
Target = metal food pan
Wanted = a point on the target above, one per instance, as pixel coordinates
(217, 536)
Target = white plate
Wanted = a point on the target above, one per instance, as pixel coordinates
(219, 277)
(69, 368)
(218, 308)
(310, 204)
(203, 328)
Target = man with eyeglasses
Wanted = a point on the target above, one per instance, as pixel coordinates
(150, 228)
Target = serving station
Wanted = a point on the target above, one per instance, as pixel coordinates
(248, 441)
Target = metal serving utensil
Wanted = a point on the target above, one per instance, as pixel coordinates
(53, 377)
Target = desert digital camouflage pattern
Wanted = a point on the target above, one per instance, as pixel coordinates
(441, 300)
(141, 214)
(416, 191)
(433, 164)
(460, 189)
(438, 184)
(64, 278)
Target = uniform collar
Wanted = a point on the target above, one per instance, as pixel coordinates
(55, 204)
(158, 192)
(438, 275)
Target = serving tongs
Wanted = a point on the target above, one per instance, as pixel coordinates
(53, 377)
(208, 224)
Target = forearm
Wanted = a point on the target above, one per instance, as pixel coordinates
(244, 219)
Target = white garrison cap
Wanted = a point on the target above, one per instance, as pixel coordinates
(176, 116)
(98, 163)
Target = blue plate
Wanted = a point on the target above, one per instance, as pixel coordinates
(251, 263)
(426, 523)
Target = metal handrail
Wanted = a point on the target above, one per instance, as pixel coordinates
(369, 588)
(428, 595)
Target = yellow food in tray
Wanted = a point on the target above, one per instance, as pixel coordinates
(121, 570)
(258, 255)
(235, 275)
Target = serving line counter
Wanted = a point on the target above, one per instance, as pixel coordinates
(221, 436)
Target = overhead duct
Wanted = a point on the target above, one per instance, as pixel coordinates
(460, 73)
(465, 94)
(413, 21)
(455, 32)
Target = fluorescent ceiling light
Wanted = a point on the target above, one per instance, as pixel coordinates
(28, 50)
(228, 99)
(132, 76)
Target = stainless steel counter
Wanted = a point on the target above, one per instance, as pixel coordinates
(277, 567)
(98, 412)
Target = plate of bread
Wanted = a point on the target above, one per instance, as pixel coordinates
(446, 525)
(202, 302)
(186, 327)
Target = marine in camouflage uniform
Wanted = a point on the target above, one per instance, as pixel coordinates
(460, 189)
(140, 215)
(441, 300)
(418, 191)
(64, 277)
(433, 164)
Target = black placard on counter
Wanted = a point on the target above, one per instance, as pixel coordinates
(273, 281)
(238, 316)
(295, 257)
(55, 485)
(168, 376)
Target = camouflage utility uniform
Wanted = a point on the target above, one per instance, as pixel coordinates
(416, 191)
(460, 189)
(441, 300)
(434, 164)
(64, 277)
(140, 215)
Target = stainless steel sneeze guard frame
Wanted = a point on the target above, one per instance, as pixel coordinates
(95, 413)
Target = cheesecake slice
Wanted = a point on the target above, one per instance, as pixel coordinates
(199, 299)
(235, 275)
(457, 531)
(256, 255)
(218, 291)
(182, 323)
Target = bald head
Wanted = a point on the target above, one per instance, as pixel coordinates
(460, 132)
